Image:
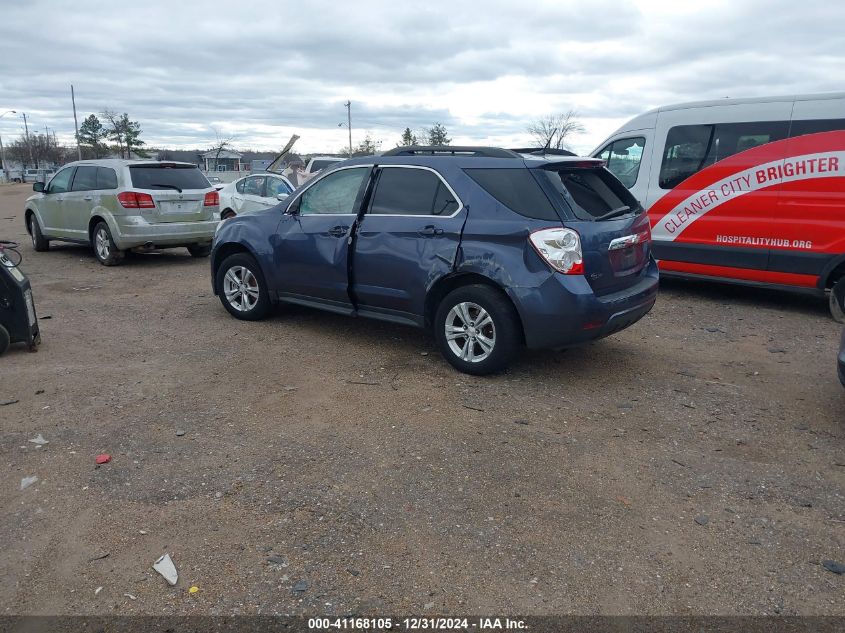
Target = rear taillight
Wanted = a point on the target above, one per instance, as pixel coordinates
(561, 248)
(135, 200)
(212, 199)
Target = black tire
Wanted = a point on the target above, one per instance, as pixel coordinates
(239, 306)
(4, 340)
(39, 242)
(504, 330)
(227, 214)
(837, 301)
(198, 250)
(104, 247)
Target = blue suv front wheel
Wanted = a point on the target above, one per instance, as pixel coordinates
(241, 287)
(477, 329)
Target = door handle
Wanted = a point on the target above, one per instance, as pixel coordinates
(88, 198)
(430, 230)
(338, 231)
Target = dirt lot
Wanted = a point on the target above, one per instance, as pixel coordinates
(691, 464)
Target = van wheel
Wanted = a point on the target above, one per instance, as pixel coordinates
(837, 301)
(242, 289)
(105, 249)
(477, 330)
(39, 242)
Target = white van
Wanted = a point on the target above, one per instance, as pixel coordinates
(742, 190)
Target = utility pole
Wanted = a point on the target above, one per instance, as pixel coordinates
(28, 142)
(348, 105)
(3, 151)
(75, 124)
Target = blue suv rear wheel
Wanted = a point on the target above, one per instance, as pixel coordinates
(477, 329)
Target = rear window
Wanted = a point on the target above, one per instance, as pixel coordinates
(167, 177)
(593, 193)
(517, 190)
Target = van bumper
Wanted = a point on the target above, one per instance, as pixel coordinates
(134, 230)
(564, 311)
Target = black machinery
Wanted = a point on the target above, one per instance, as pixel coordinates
(18, 323)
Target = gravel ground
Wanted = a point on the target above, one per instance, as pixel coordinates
(312, 463)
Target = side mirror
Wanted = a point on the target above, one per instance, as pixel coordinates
(38, 186)
(282, 196)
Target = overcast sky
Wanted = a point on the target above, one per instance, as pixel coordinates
(262, 71)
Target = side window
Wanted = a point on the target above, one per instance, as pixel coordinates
(106, 178)
(407, 191)
(240, 186)
(624, 157)
(799, 128)
(684, 154)
(334, 194)
(253, 185)
(85, 179)
(61, 181)
(275, 186)
(691, 148)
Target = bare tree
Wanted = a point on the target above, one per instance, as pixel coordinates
(221, 144)
(553, 131)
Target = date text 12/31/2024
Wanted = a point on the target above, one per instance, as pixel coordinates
(417, 624)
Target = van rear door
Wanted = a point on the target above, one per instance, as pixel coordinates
(614, 230)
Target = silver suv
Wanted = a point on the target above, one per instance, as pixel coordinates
(117, 205)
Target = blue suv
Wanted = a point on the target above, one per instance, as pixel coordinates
(488, 248)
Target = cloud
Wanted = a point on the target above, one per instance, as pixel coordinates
(484, 70)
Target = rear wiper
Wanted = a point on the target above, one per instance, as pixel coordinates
(155, 184)
(614, 213)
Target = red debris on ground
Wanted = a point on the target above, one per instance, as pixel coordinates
(103, 459)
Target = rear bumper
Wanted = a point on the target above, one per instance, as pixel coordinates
(564, 311)
(134, 230)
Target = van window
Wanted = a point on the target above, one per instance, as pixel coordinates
(691, 148)
(85, 178)
(799, 128)
(623, 158)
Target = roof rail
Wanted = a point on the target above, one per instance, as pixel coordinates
(451, 150)
(542, 151)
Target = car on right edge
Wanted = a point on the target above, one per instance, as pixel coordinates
(488, 249)
(747, 191)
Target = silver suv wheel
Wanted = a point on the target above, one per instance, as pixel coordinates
(101, 243)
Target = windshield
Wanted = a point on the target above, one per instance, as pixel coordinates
(594, 194)
(174, 177)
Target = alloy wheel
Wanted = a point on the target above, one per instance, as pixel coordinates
(470, 332)
(240, 286)
(101, 243)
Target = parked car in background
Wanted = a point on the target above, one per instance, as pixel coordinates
(116, 205)
(37, 175)
(743, 190)
(214, 181)
(317, 164)
(488, 249)
(253, 193)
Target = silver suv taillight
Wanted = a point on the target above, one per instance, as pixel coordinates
(561, 248)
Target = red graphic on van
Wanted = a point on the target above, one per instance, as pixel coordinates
(784, 197)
